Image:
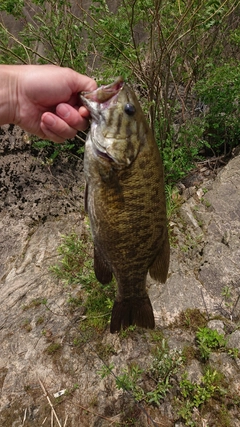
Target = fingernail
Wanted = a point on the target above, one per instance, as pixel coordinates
(63, 111)
(49, 120)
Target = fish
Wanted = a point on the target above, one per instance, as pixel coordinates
(125, 201)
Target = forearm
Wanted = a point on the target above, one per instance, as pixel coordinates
(8, 93)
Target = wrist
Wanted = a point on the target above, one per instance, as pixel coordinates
(8, 93)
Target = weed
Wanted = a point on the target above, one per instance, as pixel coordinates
(191, 319)
(104, 350)
(36, 302)
(154, 382)
(76, 268)
(193, 395)
(156, 335)
(173, 199)
(39, 321)
(166, 363)
(106, 370)
(128, 380)
(228, 305)
(53, 348)
(189, 352)
(208, 340)
(124, 333)
(233, 352)
(207, 203)
(26, 325)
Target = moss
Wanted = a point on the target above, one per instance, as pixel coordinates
(26, 325)
(104, 351)
(53, 348)
(189, 353)
(192, 319)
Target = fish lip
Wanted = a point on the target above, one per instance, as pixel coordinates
(97, 101)
(103, 94)
(101, 98)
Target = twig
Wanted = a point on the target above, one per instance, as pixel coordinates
(24, 417)
(53, 413)
(65, 423)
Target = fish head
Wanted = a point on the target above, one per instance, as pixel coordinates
(118, 125)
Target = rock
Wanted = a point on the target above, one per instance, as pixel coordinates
(217, 325)
(233, 340)
(195, 372)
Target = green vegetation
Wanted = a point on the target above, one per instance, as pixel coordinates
(53, 348)
(76, 269)
(208, 340)
(181, 58)
(192, 319)
(152, 384)
(194, 396)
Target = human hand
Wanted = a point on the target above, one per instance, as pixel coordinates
(47, 101)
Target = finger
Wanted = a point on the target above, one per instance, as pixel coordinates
(84, 112)
(84, 83)
(72, 116)
(55, 128)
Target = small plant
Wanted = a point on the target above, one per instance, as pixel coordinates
(53, 348)
(76, 269)
(124, 333)
(27, 325)
(154, 382)
(208, 340)
(39, 320)
(194, 396)
(106, 370)
(228, 305)
(129, 380)
(234, 352)
(220, 91)
(166, 363)
(192, 319)
(74, 264)
(36, 302)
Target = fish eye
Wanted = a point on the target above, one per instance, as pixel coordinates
(129, 109)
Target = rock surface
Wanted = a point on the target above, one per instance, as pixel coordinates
(39, 203)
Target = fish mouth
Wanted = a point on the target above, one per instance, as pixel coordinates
(102, 94)
(96, 102)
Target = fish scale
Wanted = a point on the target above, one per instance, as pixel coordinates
(125, 201)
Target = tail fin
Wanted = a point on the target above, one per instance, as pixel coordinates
(132, 311)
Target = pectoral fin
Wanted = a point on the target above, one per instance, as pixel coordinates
(159, 268)
(102, 271)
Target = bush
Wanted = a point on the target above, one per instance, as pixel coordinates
(221, 92)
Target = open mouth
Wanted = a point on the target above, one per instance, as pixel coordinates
(104, 93)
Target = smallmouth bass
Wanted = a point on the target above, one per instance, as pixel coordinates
(125, 201)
